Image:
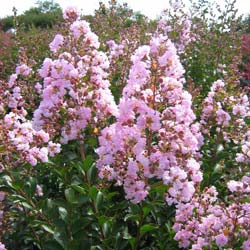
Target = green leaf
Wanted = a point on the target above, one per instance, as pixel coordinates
(246, 200)
(63, 213)
(14, 185)
(79, 189)
(92, 142)
(135, 209)
(132, 217)
(93, 192)
(132, 243)
(47, 229)
(92, 172)
(105, 228)
(88, 162)
(146, 210)
(109, 196)
(70, 195)
(61, 238)
(71, 156)
(99, 199)
(102, 219)
(81, 224)
(30, 186)
(52, 245)
(27, 205)
(147, 228)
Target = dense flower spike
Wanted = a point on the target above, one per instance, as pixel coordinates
(154, 136)
(75, 89)
(21, 142)
(21, 138)
(205, 221)
(17, 87)
(182, 26)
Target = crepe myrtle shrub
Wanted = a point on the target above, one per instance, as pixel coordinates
(80, 172)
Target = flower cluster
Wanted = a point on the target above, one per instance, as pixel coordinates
(181, 27)
(154, 136)
(17, 88)
(244, 156)
(75, 90)
(21, 138)
(20, 141)
(205, 221)
(222, 111)
(115, 50)
(224, 123)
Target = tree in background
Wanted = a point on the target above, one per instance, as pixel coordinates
(44, 15)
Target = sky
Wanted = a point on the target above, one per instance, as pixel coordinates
(150, 8)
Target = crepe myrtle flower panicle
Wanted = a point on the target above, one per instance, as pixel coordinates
(16, 87)
(22, 139)
(75, 92)
(155, 135)
(71, 13)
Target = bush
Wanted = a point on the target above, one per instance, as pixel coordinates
(153, 170)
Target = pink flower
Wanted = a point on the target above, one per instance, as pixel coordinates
(12, 80)
(92, 39)
(2, 196)
(154, 136)
(221, 240)
(80, 28)
(23, 70)
(42, 135)
(246, 245)
(235, 186)
(38, 88)
(222, 117)
(2, 246)
(71, 13)
(54, 148)
(56, 43)
(39, 190)
(44, 71)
